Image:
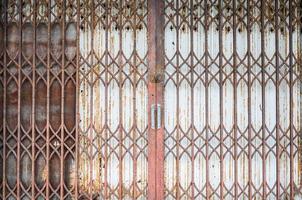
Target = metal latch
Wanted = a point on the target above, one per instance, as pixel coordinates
(155, 116)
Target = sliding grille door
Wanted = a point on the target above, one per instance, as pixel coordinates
(113, 99)
(38, 99)
(150, 99)
(232, 99)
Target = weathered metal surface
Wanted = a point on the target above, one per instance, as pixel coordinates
(2, 98)
(232, 99)
(38, 99)
(81, 86)
(113, 99)
(155, 98)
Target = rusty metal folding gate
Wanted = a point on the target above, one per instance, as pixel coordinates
(149, 99)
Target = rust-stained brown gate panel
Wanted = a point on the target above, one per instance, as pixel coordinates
(38, 86)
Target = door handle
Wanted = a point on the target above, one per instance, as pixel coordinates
(155, 116)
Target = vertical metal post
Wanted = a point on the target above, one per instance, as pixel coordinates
(4, 15)
(235, 85)
(19, 65)
(207, 97)
(33, 101)
(262, 29)
(121, 110)
(249, 100)
(134, 171)
(192, 99)
(155, 92)
(90, 132)
(107, 25)
(76, 181)
(48, 68)
(221, 126)
(291, 98)
(62, 81)
(277, 99)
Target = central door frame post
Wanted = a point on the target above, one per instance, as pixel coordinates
(155, 100)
